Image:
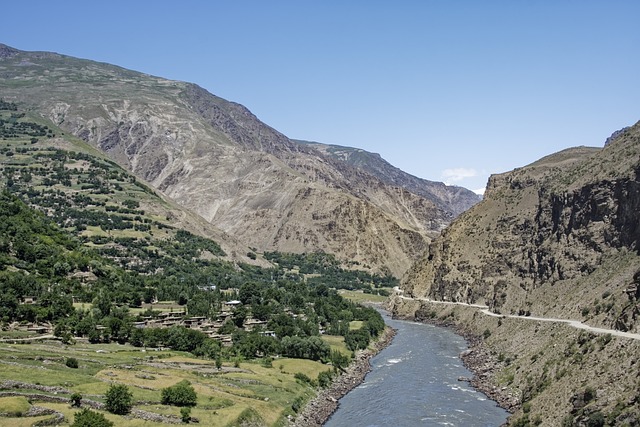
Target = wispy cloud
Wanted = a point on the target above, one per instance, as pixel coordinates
(479, 191)
(455, 175)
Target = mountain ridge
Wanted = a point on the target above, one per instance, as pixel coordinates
(268, 191)
(559, 238)
(456, 199)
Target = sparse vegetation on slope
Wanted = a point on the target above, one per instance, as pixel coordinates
(559, 238)
(218, 160)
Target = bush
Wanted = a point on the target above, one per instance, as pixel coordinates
(181, 394)
(297, 404)
(76, 399)
(185, 415)
(596, 419)
(89, 418)
(248, 417)
(71, 362)
(303, 378)
(119, 400)
(324, 379)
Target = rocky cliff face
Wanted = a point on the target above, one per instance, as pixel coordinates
(217, 159)
(556, 239)
(545, 234)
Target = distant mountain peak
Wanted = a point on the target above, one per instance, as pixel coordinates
(452, 198)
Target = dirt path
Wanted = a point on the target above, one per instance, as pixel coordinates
(485, 310)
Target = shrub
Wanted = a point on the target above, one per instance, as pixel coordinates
(596, 419)
(248, 417)
(303, 378)
(181, 394)
(324, 379)
(71, 362)
(185, 414)
(76, 399)
(89, 418)
(297, 404)
(119, 400)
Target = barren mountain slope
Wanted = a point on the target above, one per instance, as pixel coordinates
(454, 199)
(544, 234)
(559, 238)
(217, 159)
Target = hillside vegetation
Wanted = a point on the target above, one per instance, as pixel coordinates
(97, 270)
(556, 239)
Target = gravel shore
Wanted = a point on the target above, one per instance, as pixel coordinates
(319, 409)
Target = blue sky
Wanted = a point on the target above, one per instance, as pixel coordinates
(446, 90)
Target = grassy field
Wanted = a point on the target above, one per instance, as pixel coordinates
(337, 343)
(362, 298)
(222, 394)
(355, 325)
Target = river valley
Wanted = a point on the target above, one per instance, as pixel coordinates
(414, 382)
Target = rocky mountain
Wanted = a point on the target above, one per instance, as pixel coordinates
(453, 198)
(92, 198)
(215, 158)
(557, 239)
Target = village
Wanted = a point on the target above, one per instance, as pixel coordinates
(163, 319)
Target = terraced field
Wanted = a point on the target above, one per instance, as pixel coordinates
(40, 378)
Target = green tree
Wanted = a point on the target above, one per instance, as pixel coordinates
(358, 339)
(181, 394)
(136, 338)
(89, 418)
(118, 399)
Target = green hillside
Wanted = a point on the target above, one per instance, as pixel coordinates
(92, 260)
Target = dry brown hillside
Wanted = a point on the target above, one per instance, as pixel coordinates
(215, 158)
(559, 238)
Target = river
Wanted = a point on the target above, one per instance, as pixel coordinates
(414, 382)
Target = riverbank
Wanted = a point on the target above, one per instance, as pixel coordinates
(477, 358)
(480, 361)
(320, 408)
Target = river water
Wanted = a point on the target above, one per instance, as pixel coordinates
(414, 382)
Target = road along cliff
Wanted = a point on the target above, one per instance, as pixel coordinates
(550, 260)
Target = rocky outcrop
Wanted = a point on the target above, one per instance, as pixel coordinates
(7, 52)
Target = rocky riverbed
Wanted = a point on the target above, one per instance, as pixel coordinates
(483, 364)
(319, 409)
